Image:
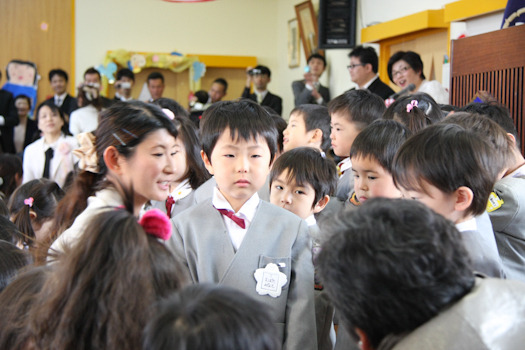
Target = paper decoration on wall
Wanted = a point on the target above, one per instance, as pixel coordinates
(173, 61)
(22, 79)
(107, 71)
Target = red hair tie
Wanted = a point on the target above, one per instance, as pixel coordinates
(156, 223)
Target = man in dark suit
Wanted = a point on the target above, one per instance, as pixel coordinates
(64, 101)
(8, 119)
(363, 71)
(260, 77)
(309, 90)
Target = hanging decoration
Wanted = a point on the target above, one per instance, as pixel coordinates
(173, 61)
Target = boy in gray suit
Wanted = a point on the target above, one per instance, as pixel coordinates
(302, 181)
(236, 239)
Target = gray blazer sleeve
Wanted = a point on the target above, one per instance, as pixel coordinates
(300, 332)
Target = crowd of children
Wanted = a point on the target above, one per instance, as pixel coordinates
(153, 234)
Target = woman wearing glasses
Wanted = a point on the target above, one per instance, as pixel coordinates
(406, 67)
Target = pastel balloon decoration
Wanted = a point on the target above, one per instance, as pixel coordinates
(108, 71)
(199, 69)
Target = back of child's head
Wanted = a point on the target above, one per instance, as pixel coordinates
(10, 233)
(100, 292)
(10, 173)
(211, 317)
(497, 113)
(359, 106)
(202, 96)
(489, 130)
(32, 204)
(380, 141)
(316, 117)
(124, 126)
(280, 125)
(172, 105)
(15, 302)
(244, 119)
(12, 259)
(306, 165)
(447, 156)
(415, 111)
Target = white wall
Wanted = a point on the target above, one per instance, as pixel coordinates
(228, 27)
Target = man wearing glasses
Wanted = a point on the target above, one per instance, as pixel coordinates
(363, 71)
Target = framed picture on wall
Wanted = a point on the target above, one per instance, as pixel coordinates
(293, 44)
(307, 27)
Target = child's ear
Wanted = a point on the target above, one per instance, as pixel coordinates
(112, 158)
(464, 198)
(321, 204)
(364, 342)
(317, 136)
(207, 162)
(32, 214)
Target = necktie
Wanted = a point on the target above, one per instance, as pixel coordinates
(58, 102)
(169, 204)
(232, 216)
(49, 155)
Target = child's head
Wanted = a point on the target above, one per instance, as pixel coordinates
(280, 125)
(100, 291)
(10, 233)
(350, 113)
(12, 259)
(10, 173)
(415, 111)
(302, 181)
(489, 131)
(211, 317)
(238, 146)
(449, 169)
(372, 156)
(50, 120)
(32, 209)
(309, 125)
(172, 105)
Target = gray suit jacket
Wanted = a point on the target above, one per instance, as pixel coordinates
(509, 225)
(490, 316)
(303, 96)
(201, 241)
(345, 185)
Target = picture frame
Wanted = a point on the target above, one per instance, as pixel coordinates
(308, 27)
(294, 53)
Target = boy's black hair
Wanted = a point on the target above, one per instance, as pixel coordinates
(498, 113)
(447, 156)
(318, 56)
(392, 265)
(427, 111)
(211, 317)
(223, 82)
(202, 96)
(316, 117)
(125, 72)
(411, 58)
(280, 125)
(92, 70)
(245, 119)
(366, 55)
(155, 75)
(360, 106)
(172, 105)
(305, 165)
(60, 72)
(380, 141)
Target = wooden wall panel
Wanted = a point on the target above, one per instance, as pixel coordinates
(24, 36)
(492, 62)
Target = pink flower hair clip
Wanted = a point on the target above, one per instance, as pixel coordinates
(168, 113)
(411, 105)
(29, 202)
(156, 223)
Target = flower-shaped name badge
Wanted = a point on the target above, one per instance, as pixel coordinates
(270, 280)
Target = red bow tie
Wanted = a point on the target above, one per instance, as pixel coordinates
(169, 204)
(232, 216)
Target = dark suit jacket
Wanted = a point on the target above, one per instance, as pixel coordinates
(303, 96)
(381, 89)
(32, 134)
(270, 100)
(68, 106)
(10, 114)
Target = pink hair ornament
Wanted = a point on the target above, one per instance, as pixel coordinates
(168, 113)
(411, 105)
(29, 202)
(155, 223)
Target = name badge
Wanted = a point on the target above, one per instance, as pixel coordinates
(270, 280)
